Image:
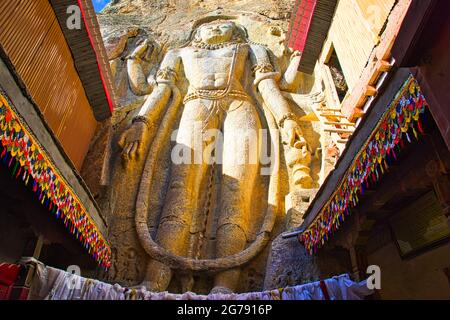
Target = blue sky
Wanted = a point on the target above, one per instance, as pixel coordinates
(99, 4)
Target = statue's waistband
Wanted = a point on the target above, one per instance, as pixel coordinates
(217, 95)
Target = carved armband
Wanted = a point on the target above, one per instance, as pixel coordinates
(142, 119)
(133, 57)
(263, 71)
(166, 75)
(264, 67)
(287, 116)
(295, 54)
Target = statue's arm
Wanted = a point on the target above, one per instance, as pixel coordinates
(266, 81)
(137, 79)
(166, 76)
(131, 140)
(291, 78)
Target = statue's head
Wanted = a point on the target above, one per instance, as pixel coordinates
(219, 31)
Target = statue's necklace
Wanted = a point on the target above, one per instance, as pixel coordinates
(207, 46)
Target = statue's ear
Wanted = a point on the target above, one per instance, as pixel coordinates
(196, 36)
(243, 33)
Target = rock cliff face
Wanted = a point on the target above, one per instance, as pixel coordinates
(170, 20)
(167, 24)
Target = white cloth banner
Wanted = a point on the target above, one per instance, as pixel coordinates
(55, 284)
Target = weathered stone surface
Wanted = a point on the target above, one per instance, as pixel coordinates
(170, 20)
(297, 202)
(289, 264)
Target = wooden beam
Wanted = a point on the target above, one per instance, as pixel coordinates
(332, 109)
(377, 63)
(36, 254)
(335, 130)
(384, 66)
(370, 91)
(335, 123)
(332, 115)
(358, 113)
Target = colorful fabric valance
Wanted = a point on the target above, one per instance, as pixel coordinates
(27, 160)
(400, 121)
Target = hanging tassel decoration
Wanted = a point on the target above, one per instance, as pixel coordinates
(406, 112)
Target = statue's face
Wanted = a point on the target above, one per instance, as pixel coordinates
(216, 33)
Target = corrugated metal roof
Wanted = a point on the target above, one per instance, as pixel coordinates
(308, 30)
(88, 50)
(34, 43)
(300, 23)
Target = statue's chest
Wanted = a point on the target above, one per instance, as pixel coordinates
(220, 58)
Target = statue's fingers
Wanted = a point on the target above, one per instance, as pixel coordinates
(124, 156)
(126, 151)
(129, 148)
(301, 140)
(122, 141)
(292, 137)
(133, 150)
(138, 149)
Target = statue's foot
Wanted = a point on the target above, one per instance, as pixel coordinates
(221, 290)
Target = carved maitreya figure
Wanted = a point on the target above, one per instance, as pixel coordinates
(214, 63)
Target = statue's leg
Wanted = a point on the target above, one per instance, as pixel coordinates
(240, 170)
(181, 200)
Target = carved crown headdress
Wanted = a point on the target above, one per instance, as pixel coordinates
(240, 32)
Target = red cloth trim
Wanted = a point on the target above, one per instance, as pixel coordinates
(323, 286)
(5, 292)
(20, 293)
(9, 273)
(91, 39)
(301, 24)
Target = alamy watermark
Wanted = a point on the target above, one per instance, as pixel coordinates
(73, 21)
(237, 148)
(374, 280)
(74, 271)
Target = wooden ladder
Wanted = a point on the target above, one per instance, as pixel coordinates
(336, 125)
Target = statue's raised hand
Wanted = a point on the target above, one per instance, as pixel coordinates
(132, 139)
(140, 50)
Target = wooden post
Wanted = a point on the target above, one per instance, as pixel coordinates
(354, 261)
(36, 255)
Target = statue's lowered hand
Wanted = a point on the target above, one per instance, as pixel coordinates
(298, 156)
(131, 140)
(292, 134)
